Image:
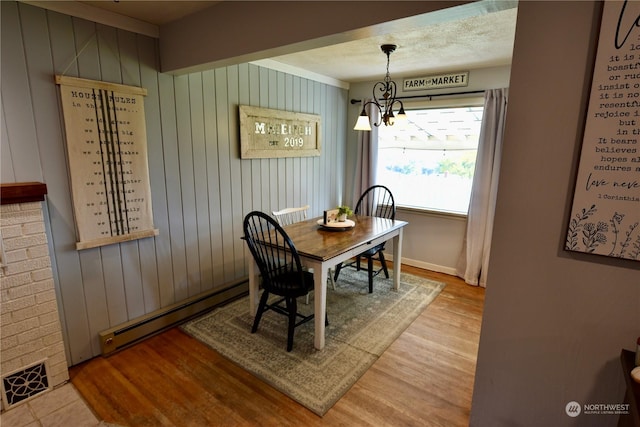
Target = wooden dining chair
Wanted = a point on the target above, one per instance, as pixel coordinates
(291, 215)
(375, 201)
(280, 269)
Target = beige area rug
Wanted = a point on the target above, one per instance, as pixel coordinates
(361, 327)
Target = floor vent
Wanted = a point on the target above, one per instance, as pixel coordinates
(25, 384)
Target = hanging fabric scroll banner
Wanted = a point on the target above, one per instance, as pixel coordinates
(107, 146)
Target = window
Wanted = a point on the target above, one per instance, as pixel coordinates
(429, 162)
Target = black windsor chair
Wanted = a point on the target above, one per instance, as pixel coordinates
(280, 268)
(375, 201)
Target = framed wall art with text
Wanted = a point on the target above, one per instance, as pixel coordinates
(267, 133)
(605, 215)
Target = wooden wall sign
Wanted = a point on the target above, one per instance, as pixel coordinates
(605, 216)
(439, 81)
(267, 133)
(107, 146)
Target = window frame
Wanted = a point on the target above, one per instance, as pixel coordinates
(423, 104)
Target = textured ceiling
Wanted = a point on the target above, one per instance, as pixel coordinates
(476, 42)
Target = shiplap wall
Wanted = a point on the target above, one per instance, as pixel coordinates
(201, 189)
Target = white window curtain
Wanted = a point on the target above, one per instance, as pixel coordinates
(474, 258)
(367, 156)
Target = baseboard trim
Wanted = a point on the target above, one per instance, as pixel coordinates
(128, 333)
(425, 265)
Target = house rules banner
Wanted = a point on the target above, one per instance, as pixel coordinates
(107, 146)
(605, 217)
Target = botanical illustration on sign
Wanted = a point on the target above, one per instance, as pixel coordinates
(585, 236)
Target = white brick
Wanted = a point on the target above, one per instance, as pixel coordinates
(33, 227)
(25, 241)
(5, 319)
(25, 313)
(20, 350)
(5, 209)
(43, 297)
(58, 360)
(59, 374)
(16, 256)
(30, 336)
(15, 280)
(29, 206)
(42, 274)
(38, 251)
(18, 304)
(12, 231)
(47, 318)
(20, 217)
(58, 363)
(46, 307)
(15, 328)
(52, 339)
(17, 292)
(28, 265)
(43, 285)
(10, 365)
(57, 348)
(35, 356)
(50, 329)
(8, 342)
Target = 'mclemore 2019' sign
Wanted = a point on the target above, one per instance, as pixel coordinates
(267, 133)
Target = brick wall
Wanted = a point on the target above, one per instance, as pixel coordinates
(30, 328)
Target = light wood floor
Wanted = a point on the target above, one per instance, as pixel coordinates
(425, 378)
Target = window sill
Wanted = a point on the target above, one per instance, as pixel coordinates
(432, 213)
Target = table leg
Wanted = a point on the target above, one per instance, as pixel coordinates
(397, 259)
(254, 284)
(319, 303)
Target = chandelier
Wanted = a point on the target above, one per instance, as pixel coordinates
(385, 105)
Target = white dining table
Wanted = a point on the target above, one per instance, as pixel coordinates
(321, 248)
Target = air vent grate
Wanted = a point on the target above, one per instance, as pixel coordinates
(25, 384)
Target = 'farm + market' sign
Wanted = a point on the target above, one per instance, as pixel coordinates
(436, 82)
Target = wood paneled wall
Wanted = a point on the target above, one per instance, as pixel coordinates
(201, 188)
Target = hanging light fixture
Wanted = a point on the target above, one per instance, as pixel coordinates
(388, 89)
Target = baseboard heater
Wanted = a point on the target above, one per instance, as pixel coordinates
(131, 332)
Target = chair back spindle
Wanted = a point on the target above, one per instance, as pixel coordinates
(291, 215)
(276, 256)
(377, 201)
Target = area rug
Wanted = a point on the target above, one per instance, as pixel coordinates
(361, 326)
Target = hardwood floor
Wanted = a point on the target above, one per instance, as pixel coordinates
(425, 378)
